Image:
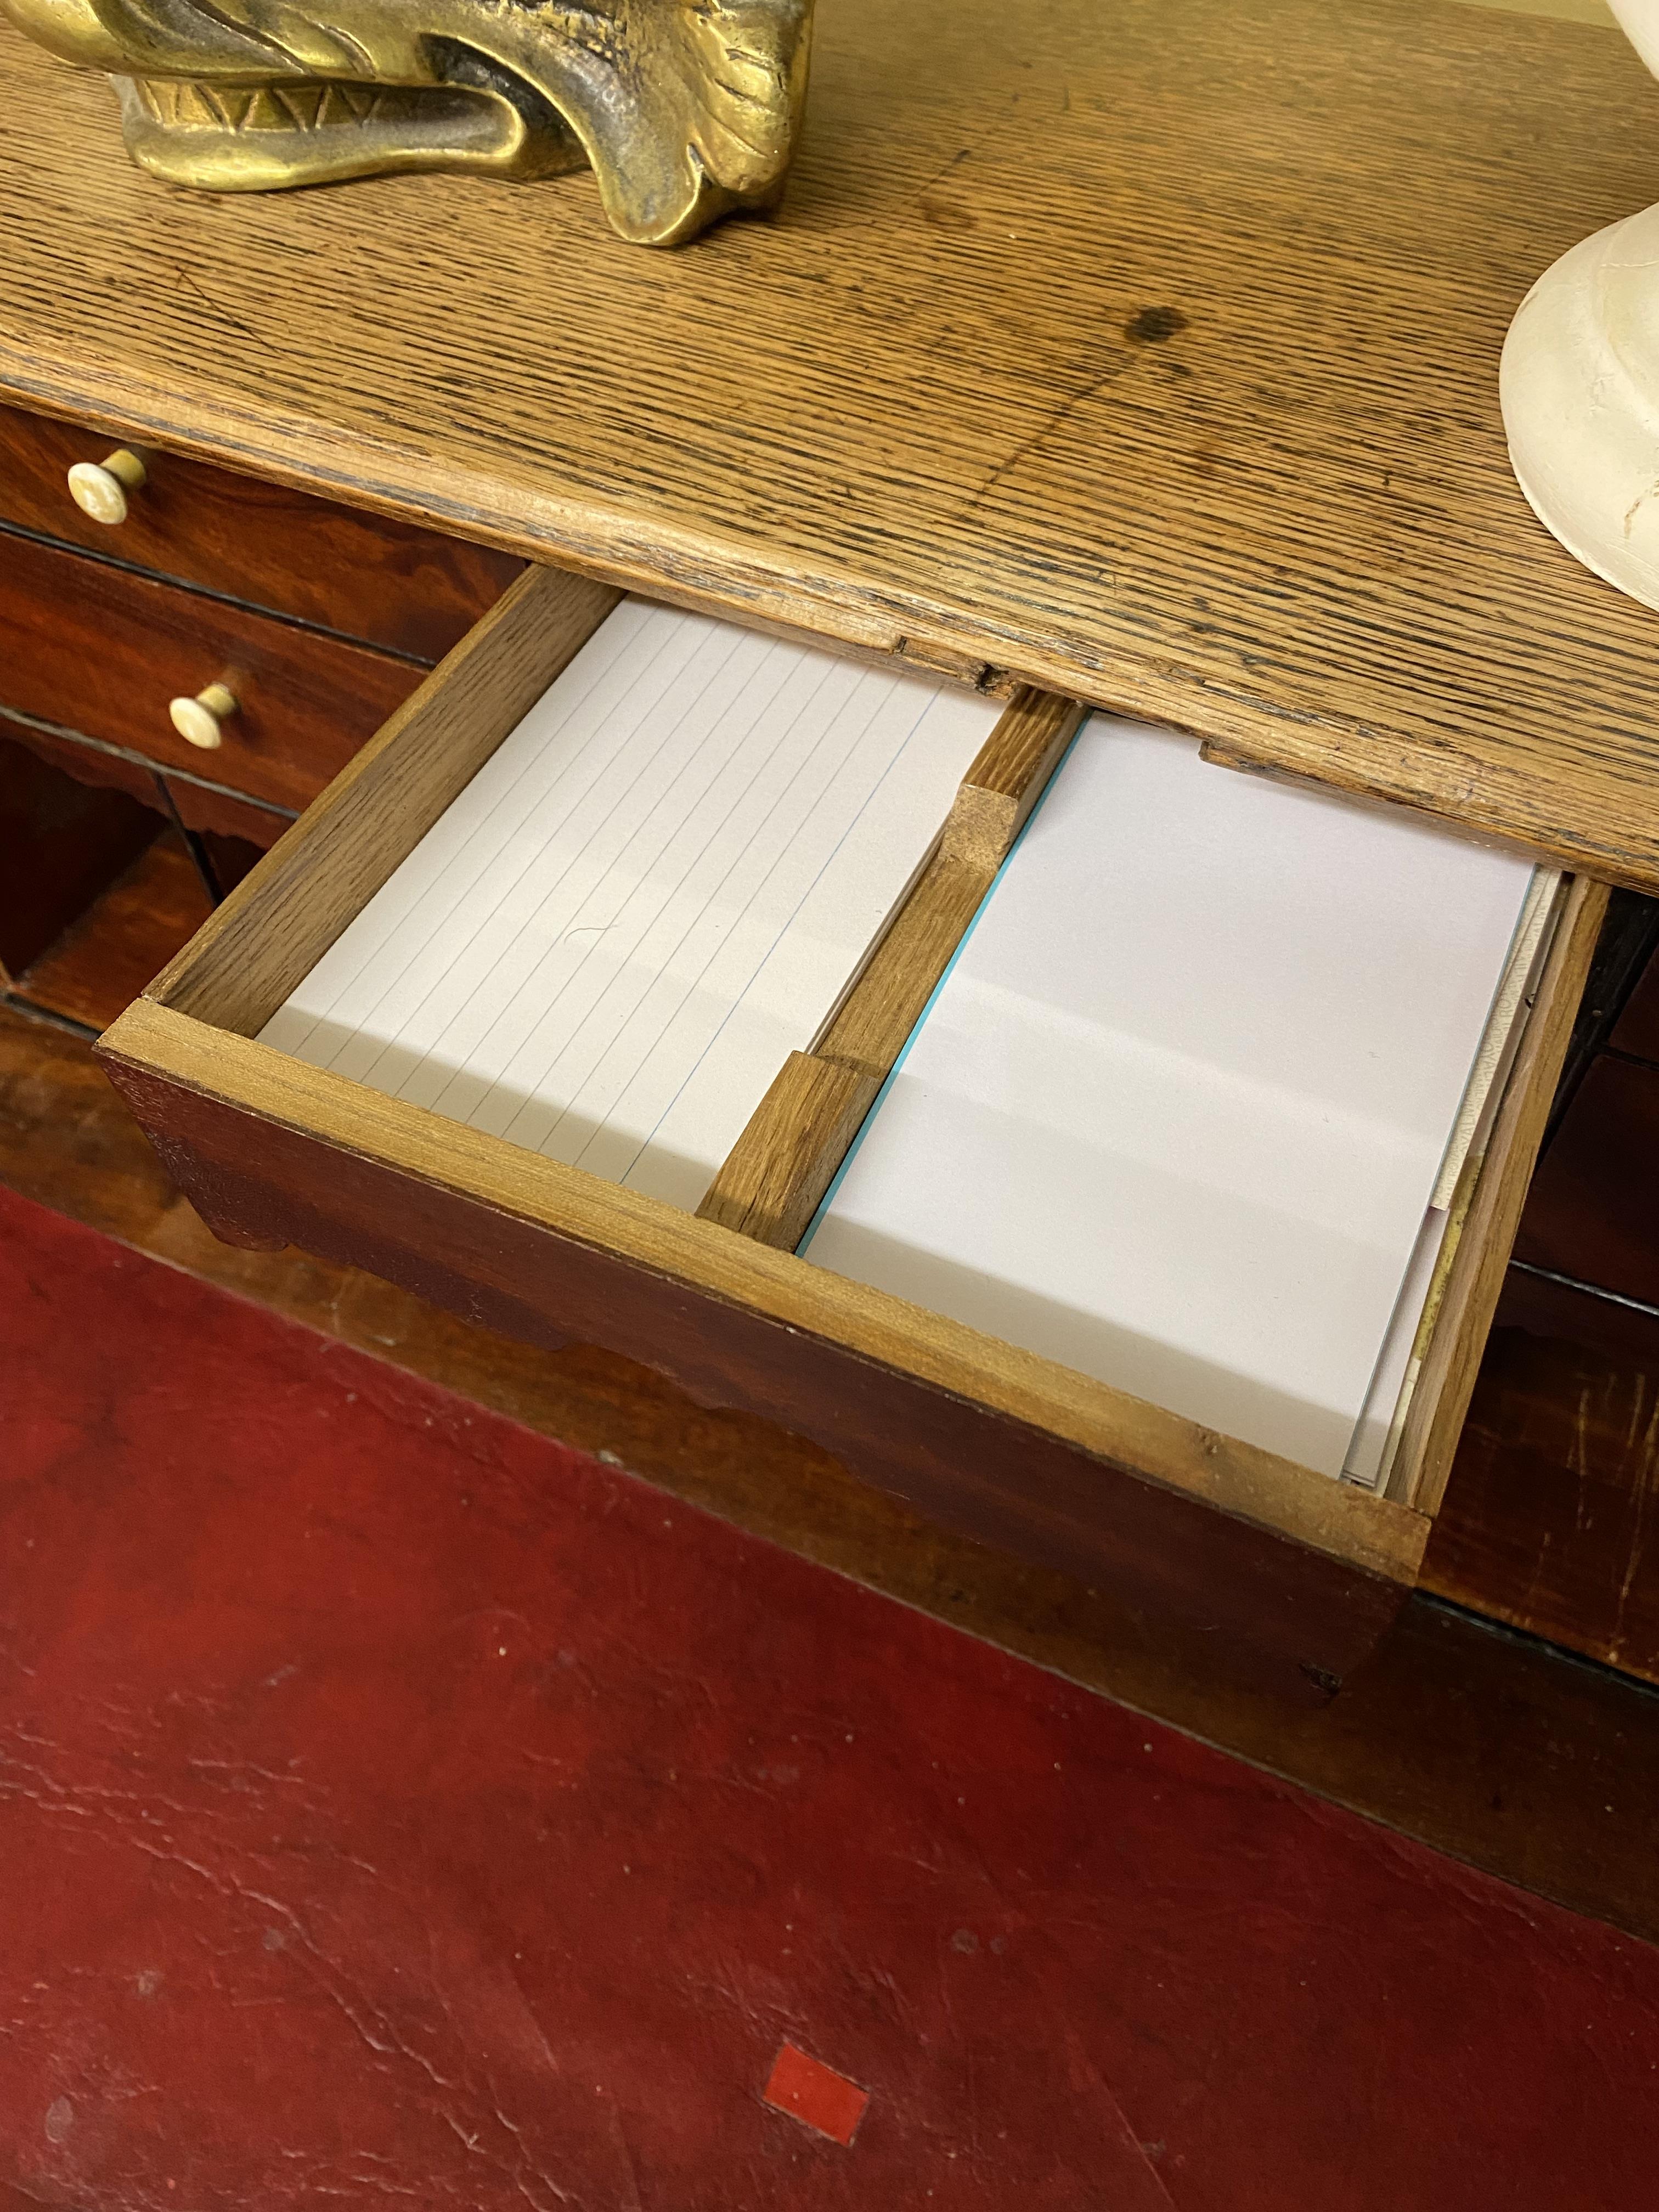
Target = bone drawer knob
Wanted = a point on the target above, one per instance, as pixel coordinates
(100, 488)
(199, 721)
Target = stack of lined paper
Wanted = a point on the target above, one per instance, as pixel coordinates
(652, 894)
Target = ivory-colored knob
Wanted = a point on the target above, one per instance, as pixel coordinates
(100, 488)
(200, 721)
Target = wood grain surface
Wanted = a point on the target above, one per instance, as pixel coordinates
(1146, 351)
(85, 763)
(1549, 1516)
(102, 650)
(365, 576)
(771, 1180)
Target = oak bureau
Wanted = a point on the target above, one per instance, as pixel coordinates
(1102, 355)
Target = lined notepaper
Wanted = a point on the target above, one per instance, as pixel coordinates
(1176, 1114)
(654, 890)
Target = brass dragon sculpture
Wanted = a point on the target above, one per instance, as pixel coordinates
(685, 110)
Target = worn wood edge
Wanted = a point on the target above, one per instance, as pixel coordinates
(1396, 1478)
(770, 1183)
(867, 1026)
(1539, 916)
(1372, 1534)
(1441, 1400)
(756, 582)
(1009, 774)
(282, 917)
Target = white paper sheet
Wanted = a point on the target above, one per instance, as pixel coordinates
(1377, 1435)
(1370, 1447)
(1176, 1112)
(651, 895)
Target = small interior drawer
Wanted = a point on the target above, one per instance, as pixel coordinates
(364, 575)
(97, 649)
(1198, 1533)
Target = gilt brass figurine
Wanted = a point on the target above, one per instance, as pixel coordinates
(685, 109)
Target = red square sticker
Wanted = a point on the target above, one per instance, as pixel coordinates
(816, 2095)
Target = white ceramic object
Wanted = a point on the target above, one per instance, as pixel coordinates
(100, 488)
(199, 721)
(1580, 385)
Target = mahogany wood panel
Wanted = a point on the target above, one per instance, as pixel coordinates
(1594, 1210)
(366, 575)
(102, 650)
(1148, 353)
(61, 842)
(86, 763)
(231, 832)
(220, 814)
(1637, 1028)
(1499, 1750)
(1548, 1518)
(494, 1180)
(1297, 1620)
(1629, 938)
(229, 860)
(106, 957)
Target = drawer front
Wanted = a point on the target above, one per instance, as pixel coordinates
(1200, 1536)
(1298, 1618)
(215, 814)
(385, 582)
(103, 651)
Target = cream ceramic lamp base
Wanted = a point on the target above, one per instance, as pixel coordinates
(1580, 385)
(1580, 390)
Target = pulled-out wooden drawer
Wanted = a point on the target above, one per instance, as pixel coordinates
(362, 575)
(1200, 1537)
(100, 650)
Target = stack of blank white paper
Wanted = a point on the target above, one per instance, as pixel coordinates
(1177, 1113)
(654, 890)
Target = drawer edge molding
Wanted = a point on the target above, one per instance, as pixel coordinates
(154, 1049)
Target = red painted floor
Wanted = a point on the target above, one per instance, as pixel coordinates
(395, 1808)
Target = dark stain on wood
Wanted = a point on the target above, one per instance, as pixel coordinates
(1154, 325)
